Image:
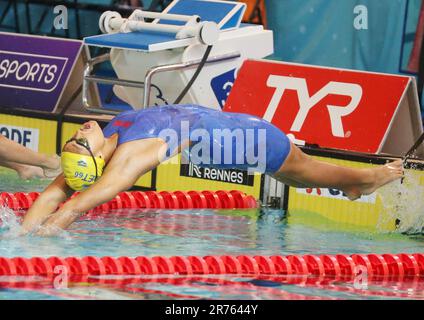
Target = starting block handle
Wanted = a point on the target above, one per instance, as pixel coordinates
(143, 26)
(139, 14)
(205, 32)
(112, 21)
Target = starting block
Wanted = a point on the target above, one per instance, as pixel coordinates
(155, 60)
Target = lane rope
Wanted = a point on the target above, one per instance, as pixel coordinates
(221, 199)
(345, 267)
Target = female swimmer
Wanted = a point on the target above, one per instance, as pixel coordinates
(104, 163)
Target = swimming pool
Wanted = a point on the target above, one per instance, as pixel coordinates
(10, 182)
(147, 232)
(199, 232)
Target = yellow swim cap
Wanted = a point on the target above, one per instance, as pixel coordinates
(79, 170)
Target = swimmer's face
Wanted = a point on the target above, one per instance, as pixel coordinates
(93, 134)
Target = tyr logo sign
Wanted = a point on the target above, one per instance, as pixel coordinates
(332, 108)
(307, 102)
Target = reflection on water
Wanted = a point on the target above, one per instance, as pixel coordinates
(200, 232)
(231, 287)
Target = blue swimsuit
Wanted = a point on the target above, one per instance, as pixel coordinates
(223, 140)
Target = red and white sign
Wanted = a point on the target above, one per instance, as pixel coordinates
(333, 108)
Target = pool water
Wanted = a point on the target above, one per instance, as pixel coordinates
(197, 232)
(201, 232)
(10, 182)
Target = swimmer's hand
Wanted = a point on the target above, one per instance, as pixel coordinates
(49, 231)
(57, 223)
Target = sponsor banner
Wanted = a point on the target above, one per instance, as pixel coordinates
(223, 175)
(34, 70)
(334, 194)
(334, 108)
(330, 209)
(28, 137)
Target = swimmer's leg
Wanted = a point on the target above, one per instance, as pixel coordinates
(24, 171)
(10, 151)
(312, 173)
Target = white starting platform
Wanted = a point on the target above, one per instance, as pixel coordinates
(155, 55)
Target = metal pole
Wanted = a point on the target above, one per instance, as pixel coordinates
(179, 66)
(87, 70)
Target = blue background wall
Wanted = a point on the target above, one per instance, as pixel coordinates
(322, 32)
(88, 18)
(308, 31)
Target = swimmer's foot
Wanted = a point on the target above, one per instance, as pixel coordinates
(379, 177)
(53, 168)
(30, 172)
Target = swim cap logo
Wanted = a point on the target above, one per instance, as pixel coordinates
(82, 163)
(30, 71)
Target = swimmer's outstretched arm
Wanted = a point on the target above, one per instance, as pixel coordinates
(129, 162)
(46, 204)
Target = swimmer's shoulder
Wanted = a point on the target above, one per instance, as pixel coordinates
(125, 114)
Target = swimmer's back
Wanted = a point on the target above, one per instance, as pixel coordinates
(148, 123)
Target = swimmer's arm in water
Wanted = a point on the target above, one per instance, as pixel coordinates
(46, 204)
(129, 162)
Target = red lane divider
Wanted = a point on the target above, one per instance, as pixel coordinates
(170, 199)
(151, 199)
(184, 200)
(199, 200)
(212, 199)
(387, 265)
(10, 200)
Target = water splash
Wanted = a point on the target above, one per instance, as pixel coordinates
(11, 228)
(9, 223)
(403, 203)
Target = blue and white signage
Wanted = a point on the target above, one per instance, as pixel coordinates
(28, 137)
(34, 70)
